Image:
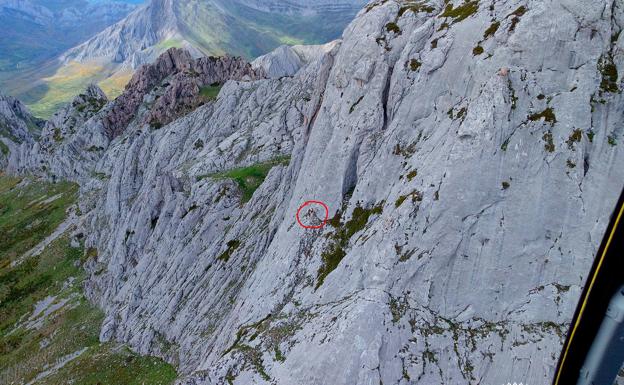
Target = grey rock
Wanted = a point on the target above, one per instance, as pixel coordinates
(70, 141)
(288, 60)
(468, 191)
(17, 126)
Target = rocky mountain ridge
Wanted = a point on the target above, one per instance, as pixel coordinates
(17, 126)
(145, 33)
(239, 28)
(469, 155)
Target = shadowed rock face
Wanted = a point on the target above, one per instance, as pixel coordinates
(125, 106)
(468, 190)
(17, 126)
(185, 77)
(16, 122)
(182, 95)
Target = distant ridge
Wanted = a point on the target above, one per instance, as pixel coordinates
(247, 28)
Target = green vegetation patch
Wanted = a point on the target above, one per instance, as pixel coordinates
(91, 105)
(414, 64)
(211, 92)
(478, 50)
(249, 178)
(114, 365)
(505, 144)
(336, 250)
(415, 7)
(393, 27)
(232, 246)
(462, 12)
(416, 196)
(550, 144)
(548, 115)
(608, 70)
(65, 329)
(4, 149)
(517, 14)
(491, 30)
(30, 212)
(575, 137)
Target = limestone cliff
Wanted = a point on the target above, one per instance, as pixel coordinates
(469, 152)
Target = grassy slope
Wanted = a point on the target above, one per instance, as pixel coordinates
(210, 92)
(249, 178)
(66, 83)
(28, 215)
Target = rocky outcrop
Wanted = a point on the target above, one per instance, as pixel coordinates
(17, 126)
(184, 90)
(288, 60)
(181, 92)
(70, 141)
(125, 106)
(68, 119)
(78, 135)
(469, 155)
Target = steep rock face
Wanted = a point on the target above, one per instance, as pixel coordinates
(17, 126)
(469, 155)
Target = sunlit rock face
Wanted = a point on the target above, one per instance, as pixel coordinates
(469, 154)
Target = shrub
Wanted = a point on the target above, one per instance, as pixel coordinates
(393, 27)
(462, 12)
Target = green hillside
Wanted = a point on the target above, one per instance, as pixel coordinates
(48, 330)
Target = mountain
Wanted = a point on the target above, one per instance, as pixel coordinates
(215, 27)
(35, 31)
(204, 27)
(467, 154)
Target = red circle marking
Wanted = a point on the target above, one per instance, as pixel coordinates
(313, 203)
